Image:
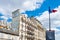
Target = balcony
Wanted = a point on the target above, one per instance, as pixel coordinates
(30, 32)
(30, 28)
(29, 36)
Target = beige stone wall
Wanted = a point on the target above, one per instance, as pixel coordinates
(39, 32)
(8, 36)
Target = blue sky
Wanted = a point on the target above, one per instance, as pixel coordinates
(36, 8)
(44, 7)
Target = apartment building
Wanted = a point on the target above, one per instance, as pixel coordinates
(31, 29)
(7, 32)
(22, 28)
(39, 30)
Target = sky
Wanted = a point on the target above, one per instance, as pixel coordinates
(36, 8)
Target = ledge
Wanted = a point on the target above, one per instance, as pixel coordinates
(9, 32)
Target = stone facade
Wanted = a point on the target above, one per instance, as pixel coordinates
(24, 28)
(31, 29)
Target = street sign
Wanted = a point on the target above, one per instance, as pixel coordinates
(50, 35)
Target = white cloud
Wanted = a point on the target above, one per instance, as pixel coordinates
(55, 21)
(28, 5)
(5, 12)
(57, 37)
(31, 4)
(2, 10)
(7, 6)
(4, 17)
